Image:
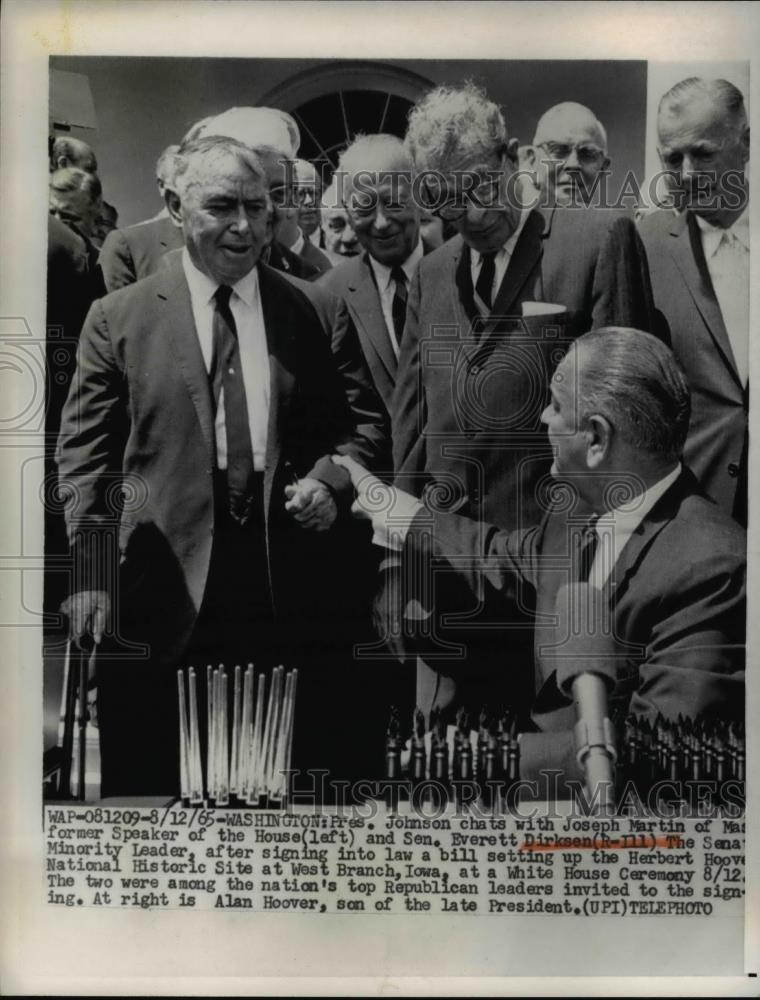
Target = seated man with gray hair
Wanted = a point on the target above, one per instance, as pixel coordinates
(630, 526)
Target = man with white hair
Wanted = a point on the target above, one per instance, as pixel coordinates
(568, 153)
(137, 251)
(375, 179)
(699, 262)
(489, 314)
(209, 383)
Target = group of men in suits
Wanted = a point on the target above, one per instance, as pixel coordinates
(242, 545)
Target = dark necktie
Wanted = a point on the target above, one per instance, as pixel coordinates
(226, 376)
(484, 285)
(399, 302)
(587, 542)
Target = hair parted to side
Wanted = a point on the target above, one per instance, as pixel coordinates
(69, 179)
(634, 380)
(452, 125)
(213, 148)
(721, 91)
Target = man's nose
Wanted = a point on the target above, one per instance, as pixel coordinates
(381, 220)
(546, 413)
(348, 236)
(571, 160)
(240, 221)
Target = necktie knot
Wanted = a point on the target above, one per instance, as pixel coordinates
(222, 295)
(398, 275)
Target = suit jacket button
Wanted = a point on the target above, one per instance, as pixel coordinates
(733, 470)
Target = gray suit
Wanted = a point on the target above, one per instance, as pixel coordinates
(716, 448)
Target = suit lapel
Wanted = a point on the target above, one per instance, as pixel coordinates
(638, 544)
(686, 249)
(175, 295)
(526, 255)
(280, 322)
(365, 299)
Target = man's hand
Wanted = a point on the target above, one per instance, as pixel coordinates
(390, 509)
(372, 494)
(89, 613)
(312, 504)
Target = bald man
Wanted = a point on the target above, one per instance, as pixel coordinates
(569, 151)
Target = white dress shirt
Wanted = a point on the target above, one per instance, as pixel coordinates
(727, 254)
(314, 238)
(245, 303)
(386, 286)
(501, 263)
(615, 527)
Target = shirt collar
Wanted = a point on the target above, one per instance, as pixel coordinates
(203, 288)
(299, 244)
(383, 272)
(628, 516)
(511, 243)
(712, 235)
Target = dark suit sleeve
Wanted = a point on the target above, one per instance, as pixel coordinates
(694, 661)
(622, 290)
(371, 443)
(484, 559)
(409, 407)
(90, 450)
(116, 261)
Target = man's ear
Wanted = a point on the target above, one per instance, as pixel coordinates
(512, 150)
(174, 206)
(598, 435)
(526, 157)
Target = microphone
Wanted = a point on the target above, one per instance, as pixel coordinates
(587, 671)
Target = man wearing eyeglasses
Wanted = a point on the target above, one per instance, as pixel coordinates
(490, 314)
(568, 153)
(374, 181)
(699, 260)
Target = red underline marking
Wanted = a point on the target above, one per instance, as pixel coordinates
(614, 845)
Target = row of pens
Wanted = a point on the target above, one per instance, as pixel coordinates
(242, 754)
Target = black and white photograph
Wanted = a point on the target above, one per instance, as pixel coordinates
(378, 484)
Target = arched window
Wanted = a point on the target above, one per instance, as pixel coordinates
(335, 102)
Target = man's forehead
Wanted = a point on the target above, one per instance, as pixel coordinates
(223, 174)
(701, 117)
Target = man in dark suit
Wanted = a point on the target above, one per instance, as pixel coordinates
(699, 263)
(489, 314)
(209, 394)
(669, 564)
(386, 220)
